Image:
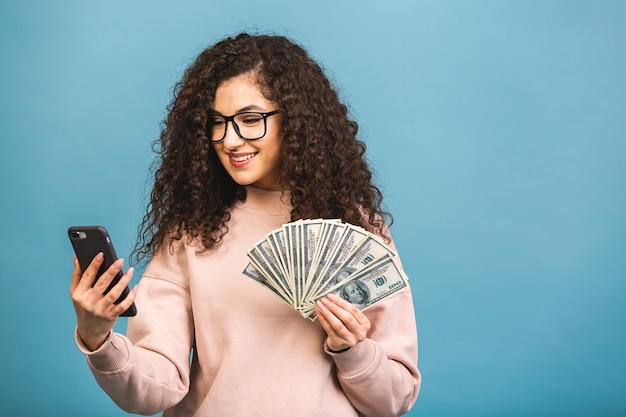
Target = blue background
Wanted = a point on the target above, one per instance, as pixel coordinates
(497, 131)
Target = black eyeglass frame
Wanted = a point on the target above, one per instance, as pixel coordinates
(231, 119)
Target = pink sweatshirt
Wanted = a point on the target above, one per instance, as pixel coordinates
(209, 341)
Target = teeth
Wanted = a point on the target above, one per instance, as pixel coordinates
(242, 157)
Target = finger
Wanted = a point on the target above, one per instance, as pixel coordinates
(331, 315)
(360, 317)
(76, 275)
(321, 313)
(344, 313)
(126, 302)
(346, 305)
(338, 337)
(91, 273)
(118, 289)
(324, 320)
(104, 281)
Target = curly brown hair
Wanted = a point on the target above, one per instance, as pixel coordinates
(323, 163)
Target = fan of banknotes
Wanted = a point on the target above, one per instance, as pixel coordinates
(306, 260)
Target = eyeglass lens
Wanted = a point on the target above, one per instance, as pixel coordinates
(249, 125)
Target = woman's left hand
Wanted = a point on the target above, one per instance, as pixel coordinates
(343, 322)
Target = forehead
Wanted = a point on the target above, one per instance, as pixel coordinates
(240, 93)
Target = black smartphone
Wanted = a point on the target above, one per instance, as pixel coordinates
(87, 242)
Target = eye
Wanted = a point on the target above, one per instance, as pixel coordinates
(218, 121)
(251, 119)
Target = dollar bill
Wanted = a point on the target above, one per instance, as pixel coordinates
(311, 235)
(351, 237)
(265, 263)
(369, 286)
(328, 243)
(307, 259)
(252, 272)
(367, 251)
(277, 245)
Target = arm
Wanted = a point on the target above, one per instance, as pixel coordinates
(379, 372)
(374, 351)
(96, 313)
(148, 371)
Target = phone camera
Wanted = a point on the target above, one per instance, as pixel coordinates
(78, 235)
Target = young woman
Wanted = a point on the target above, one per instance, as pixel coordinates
(256, 137)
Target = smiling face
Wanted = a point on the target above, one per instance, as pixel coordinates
(248, 162)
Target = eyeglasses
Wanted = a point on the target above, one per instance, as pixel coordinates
(249, 125)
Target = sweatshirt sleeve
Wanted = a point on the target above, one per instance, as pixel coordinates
(147, 371)
(380, 375)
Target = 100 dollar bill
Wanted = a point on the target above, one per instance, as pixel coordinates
(367, 287)
(305, 260)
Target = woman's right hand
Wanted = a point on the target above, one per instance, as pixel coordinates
(96, 313)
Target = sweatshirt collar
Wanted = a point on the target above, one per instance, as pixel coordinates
(270, 202)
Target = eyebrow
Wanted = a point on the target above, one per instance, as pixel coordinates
(251, 107)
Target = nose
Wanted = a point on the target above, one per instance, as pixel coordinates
(232, 138)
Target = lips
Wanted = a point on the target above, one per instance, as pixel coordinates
(242, 159)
